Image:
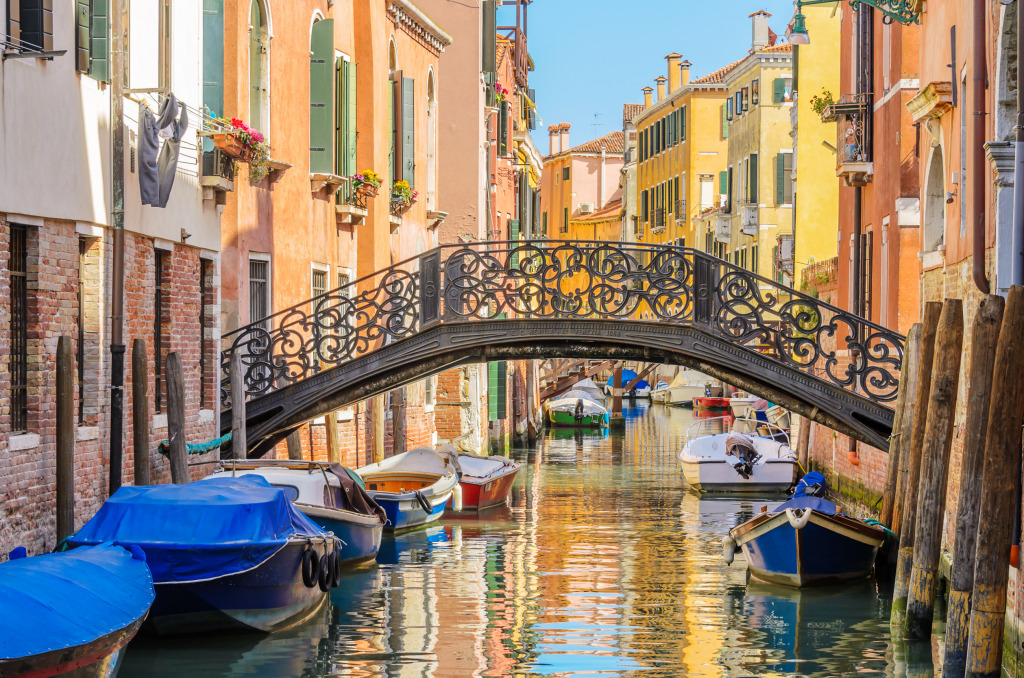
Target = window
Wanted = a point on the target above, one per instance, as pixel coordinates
(728, 194)
(208, 298)
(752, 179)
(682, 123)
(737, 105)
(755, 92)
(782, 90)
(19, 328)
(322, 122)
(161, 326)
(545, 226)
(318, 283)
(429, 388)
(565, 220)
(503, 125)
(728, 109)
(83, 246)
(565, 173)
(92, 38)
(259, 289)
(753, 258)
(744, 99)
(345, 117)
(213, 56)
(30, 23)
(259, 71)
(868, 241)
(784, 178)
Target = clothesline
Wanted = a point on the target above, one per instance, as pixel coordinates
(202, 113)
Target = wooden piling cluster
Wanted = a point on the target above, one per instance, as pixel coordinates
(919, 468)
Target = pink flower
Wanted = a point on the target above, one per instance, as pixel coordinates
(257, 137)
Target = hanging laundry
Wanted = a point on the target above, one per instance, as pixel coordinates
(157, 164)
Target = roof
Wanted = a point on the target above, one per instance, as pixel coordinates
(612, 143)
(610, 212)
(717, 76)
(784, 47)
(630, 111)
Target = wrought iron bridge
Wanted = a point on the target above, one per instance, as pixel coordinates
(477, 302)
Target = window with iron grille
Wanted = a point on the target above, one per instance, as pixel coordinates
(160, 326)
(205, 300)
(83, 245)
(19, 328)
(318, 285)
(259, 293)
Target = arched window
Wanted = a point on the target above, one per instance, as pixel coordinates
(259, 67)
(935, 204)
(431, 142)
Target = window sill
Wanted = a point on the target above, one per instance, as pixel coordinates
(87, 433)
(428, 408)
(346, 415)
(318, 182)
(159, 421)
(206, 416)
(932, 259)
(395, 221)
(23, 441)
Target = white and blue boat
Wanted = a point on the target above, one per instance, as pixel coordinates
(331, 495)
(412, 487)
(226, 553)
(71, 613)
(806, 541)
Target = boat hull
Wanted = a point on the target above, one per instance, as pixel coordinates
(100, 658)
(823, 550)
(404, 512)
(569, 419)
(707, 403)
(720, 476)
(682, 396)
(361, 534)
(268, 597)
(483, 493)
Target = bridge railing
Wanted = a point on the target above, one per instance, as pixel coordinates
(571, 280)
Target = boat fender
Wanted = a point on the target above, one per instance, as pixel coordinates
(326, 573)
(457, 498)
(728, 549)
(578, 412)
(424, 504)
(310, 567)
(798, 518)
(335, 567)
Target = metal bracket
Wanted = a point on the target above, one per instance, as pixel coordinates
(905, 12)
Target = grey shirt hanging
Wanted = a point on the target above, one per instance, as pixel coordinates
(157, 165)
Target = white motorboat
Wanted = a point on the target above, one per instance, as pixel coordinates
(690, 384)
(740, 402)
(707, 468)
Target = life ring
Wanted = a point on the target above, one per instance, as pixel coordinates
(326, 573)
(424, 504)
(798, 517)
(728, 550)
(310, 567)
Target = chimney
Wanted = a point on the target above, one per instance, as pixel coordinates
(684, 73)
(552, 139)
(563, 134)
(660, 81)
(760, 30)
(647, 96)
(673, 71)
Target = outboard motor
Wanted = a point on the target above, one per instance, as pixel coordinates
(578, 413)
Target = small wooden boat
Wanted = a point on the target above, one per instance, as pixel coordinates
(225, 553)
(741, 402)
(412, 487)
(690, 384)
(642, 389)
(710, 403)
(576, 408)
(485, 481)
(707, 467)
(71, 613)
(331, 495)
(806, 541)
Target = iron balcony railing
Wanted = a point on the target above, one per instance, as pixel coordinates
(852, 114)
(559, 279)
(658, 220)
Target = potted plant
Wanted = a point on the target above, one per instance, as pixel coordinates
(366, 183)
(402, 193)
(499, 93)
(246, 144)
(819, 102)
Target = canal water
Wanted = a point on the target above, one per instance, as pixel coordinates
(603, 564)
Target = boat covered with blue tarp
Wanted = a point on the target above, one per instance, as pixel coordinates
(71, 613)
(224, 552)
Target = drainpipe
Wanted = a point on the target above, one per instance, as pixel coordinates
(1017, 267)
(600, 179)
(978, 173)
(858, 194)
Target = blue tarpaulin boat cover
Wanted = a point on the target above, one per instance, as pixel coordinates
(814, 503)
(200, 530)
(628, 376)
(62, 600)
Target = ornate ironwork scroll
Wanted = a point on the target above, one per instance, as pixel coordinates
(559, 279)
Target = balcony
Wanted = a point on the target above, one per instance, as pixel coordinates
(853, 144)
(681, 211)
(748, 219)
(658, 220)
(350, 204)
(218, 177)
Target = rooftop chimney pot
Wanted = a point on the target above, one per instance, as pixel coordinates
(660, 81)
(673, 70)
(684, 73)
(647, 96)
(759, 29)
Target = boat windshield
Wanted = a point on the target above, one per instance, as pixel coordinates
(727, 423)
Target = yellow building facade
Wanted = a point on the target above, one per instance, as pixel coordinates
(681, 153)
(815, 190)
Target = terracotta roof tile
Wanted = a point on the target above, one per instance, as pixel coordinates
(717, 76)
(613, 143)
(784, 47)
(630, 111)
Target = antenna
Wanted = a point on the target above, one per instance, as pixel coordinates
(597, 123)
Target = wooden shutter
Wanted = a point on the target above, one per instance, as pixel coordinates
(394, 152)
(682, 123)
(490, 29)
(503, 129)
(725, 123)
(752, 179)
(14, 21)
(723, 183)
(255, 67)
(409, 131)
(213, 55)
(531, 113)
(345, 153)
(83, 21)
(321, 97)
(780, 171)
(514, 229)
(497, 383)
(779, 93)
(728, 195)
(544, 220)
(787, 178)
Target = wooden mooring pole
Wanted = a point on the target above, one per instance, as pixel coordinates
(140, 411)
(294, 441)
(65, 471)
(239, 447)
(178, 455)
(995, 510)
(905, 558)
(911, 355)
(912, 358)
(617, 420)
(938, 435)
(984, 338)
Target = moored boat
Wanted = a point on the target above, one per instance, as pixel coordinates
(806, 541)
(708, 468)
(71, 613)
(412, 487)
(332, 496)
(485, 481)
(642, 389)
(225, 553)
(710, 403)
(576, 408)
(740, 402)
(690, 384)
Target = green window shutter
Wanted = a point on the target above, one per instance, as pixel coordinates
(682, 123)
(255, 67)
(779, 92)
(99, 41)
(780, 171)
(723, 183)
(502, 389)
(492, 391)
(725, 122)
(514, 232)
(409, 131)
(752, 180)
(677, 195)
(83, 21)
(340, 116)
(346, 116)
(213, 56)
(490, 29)
(565, 219)
(503, 129)
(321, 97)
(393, 160)
(545, 221)
(728, 195)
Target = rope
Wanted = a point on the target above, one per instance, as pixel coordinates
(876, 523)
(195, 448)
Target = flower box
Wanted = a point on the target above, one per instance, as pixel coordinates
(231, 145)
(368, 190)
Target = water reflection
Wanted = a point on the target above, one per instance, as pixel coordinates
(602, 564)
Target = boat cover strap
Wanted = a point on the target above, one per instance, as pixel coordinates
(353, 496)
(814, 503)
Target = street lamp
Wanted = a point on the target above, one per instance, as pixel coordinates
(798, 34)
(901, 11)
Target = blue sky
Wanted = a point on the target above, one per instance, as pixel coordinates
(592, 56)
